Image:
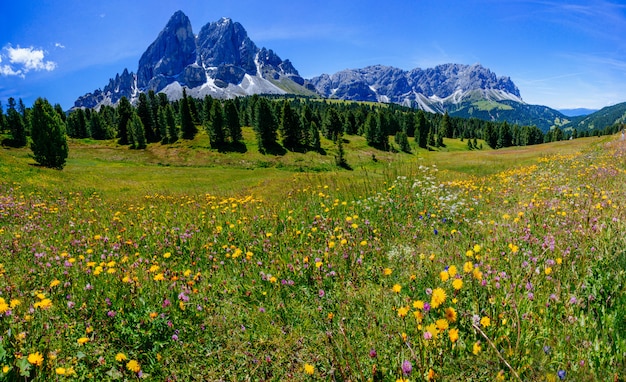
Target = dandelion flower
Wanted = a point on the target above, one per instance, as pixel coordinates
(402, 311)
(485, 322)
(133, 366)
(82, 340)
(120, 357)
(457, 284)
(450, 314)
(444, 276)
(477, 248)
(453, 334)
(54, 283)
(438, 297)
(548, 270)
(35, 359)
(387, 271)
(397, 288)
(309, 369)
(468, 267)
(418, 304)
(3, 306)
(476, 348)
(452, 271)
(60, 371)
(442, 324)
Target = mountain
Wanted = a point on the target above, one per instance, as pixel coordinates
(602, 118)
(461, 90)
(220, 61)
(577, 112)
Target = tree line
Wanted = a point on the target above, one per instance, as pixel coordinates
(280, 123)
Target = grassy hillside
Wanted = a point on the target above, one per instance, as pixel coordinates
(182, 263)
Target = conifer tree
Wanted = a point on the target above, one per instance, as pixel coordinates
(188, 128)
(340, 158)
(369, 129)
(2, 119)
(314, 137)
(16, 126)
(231, 120)
(264, 125)
(162, 123)
(97, 127)
(403, 141)
(290, 127)
(49, 142)
(124, 112)
(144, 112)
(332, 126)
(421, 129)
(215, 128)
(445, 130)
(172, 128)
(136, 133)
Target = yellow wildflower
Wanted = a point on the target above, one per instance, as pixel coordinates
(438, 297)
(120, 357)
(457, 284)
(133, 366)
(309, 369)
(35, 359)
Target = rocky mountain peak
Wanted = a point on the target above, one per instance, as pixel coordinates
(168, 55)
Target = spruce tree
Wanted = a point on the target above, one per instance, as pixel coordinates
(314, 137)
(97, 127)
(369, 129)
(144, 112)
(403, 141)
(136, 133)
(233, 126)
(332, 126)
(289, 127)
(340, 158)
(2, 120)
(124, 112)
(421, 129)
(172, 128)
(264, 125)
(162, 123)
(16, 126)
(49, 142)
(215, 128)
(188, 128)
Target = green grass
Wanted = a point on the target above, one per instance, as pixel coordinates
(199, 265)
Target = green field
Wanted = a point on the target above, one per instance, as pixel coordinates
(182, 263)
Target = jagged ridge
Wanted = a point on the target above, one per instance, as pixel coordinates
(221, 61)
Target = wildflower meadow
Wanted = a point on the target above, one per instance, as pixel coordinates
(420, 270)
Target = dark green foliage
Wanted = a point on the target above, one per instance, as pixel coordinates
(215, 128)
(2, 119)
(207, 104)
(505, 136)
(231, 120)
(172, 128)
(49, 142)
(16, 126)
(124, 112)
(421, 129)
(289, 128)
(445, 130)
(265, 126)
(332, 126)
(188, 128)
(402, 140)
(98, 128)
(60, 112)
(144, 111)
(314, 137)
(162, 123)
(136, 133)
(340, 158)
(77, 124)
(491, 135)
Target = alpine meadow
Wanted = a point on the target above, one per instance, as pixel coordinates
(214, 216)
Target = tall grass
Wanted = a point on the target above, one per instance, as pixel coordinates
(482, 265)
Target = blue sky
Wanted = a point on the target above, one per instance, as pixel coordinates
(559, 54)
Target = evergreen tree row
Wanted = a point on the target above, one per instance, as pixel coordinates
(280, 123)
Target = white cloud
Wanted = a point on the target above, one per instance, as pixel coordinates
(59, 45)
(23, 60)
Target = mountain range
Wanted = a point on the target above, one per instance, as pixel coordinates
(222, 61)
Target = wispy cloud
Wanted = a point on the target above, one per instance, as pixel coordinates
(59, 45)
(24, 60)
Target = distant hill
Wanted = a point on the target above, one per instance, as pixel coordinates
(577, 112)
(602, 118)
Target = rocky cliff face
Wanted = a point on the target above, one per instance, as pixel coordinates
(429, 89)
(221, 61)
